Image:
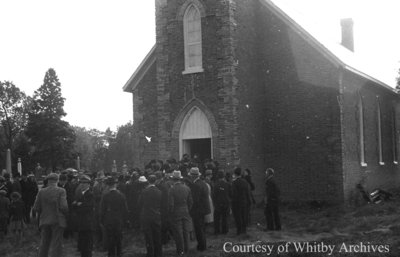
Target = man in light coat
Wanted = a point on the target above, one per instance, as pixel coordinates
(51, 206)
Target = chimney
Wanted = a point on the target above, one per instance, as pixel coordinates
(347, 33)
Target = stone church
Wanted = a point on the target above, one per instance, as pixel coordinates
(241, 82)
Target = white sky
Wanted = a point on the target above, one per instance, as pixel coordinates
(96, 45)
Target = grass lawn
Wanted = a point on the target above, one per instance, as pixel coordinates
(369, 230)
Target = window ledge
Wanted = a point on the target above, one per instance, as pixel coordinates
(363, 164)
(193, 70)
(381, 163)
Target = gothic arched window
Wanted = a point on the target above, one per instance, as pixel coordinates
(192, 40)
(380, 143)
(360, 108)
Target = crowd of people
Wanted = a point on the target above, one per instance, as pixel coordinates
(17, 197)
(166, 201)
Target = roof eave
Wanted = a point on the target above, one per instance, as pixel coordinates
(141, 71)
(320, 47)
(303, 33)
(366, 76)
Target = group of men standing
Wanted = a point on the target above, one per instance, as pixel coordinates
(187, 205)
(53, 210)
(163, 204)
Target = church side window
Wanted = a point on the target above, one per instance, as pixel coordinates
(192, 40)
(394, 138)
(380, 150)
(361, 131)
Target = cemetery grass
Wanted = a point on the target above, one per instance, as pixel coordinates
(368, 224)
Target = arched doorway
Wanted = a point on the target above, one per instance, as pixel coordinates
(195, 136)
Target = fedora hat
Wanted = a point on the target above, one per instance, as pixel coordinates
(142, 179)
(194, 171)
(176, 174)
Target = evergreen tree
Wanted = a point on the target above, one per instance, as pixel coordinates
(52, 138)
(48, 99)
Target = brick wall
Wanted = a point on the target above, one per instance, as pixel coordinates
(289, 113)
(272, 100)
(266, 105)
(373, 175)
(214, 88)
(145, 123)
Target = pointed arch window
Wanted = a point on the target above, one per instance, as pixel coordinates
(192, 40)
(379, 120)
(360, 108)
(394, 137)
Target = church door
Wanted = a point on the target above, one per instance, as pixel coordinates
(195, 137)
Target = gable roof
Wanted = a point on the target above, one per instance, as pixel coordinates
(140, 71)
(334, 52)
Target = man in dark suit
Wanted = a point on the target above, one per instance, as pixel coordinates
(113, 212)
(84, 208)
(180, 202)
(150, 217)
(222, 195)
(272, 195)
(132, 197)
(200, 208)
(165, 184)
(240, 200)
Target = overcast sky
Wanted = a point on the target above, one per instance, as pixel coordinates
(96, 45)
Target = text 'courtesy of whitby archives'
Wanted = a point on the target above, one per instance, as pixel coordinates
(305, 247)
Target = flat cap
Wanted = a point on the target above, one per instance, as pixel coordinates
(52, 177)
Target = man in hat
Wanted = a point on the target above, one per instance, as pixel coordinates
(241, 200)
(164, 183)
(113, 212)
(150, 217)
(98, 189)
(132, 196)
(84, 208)
(200, 208)
(29, 190)
(180, 203)
(33, 189)
(51, 220)
(271, 200)
(69, 182)
(222, 195)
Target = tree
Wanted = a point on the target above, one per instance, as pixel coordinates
(14, 107)
(48, 99)
(121, 148)
(102, 158)
(53, 138)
